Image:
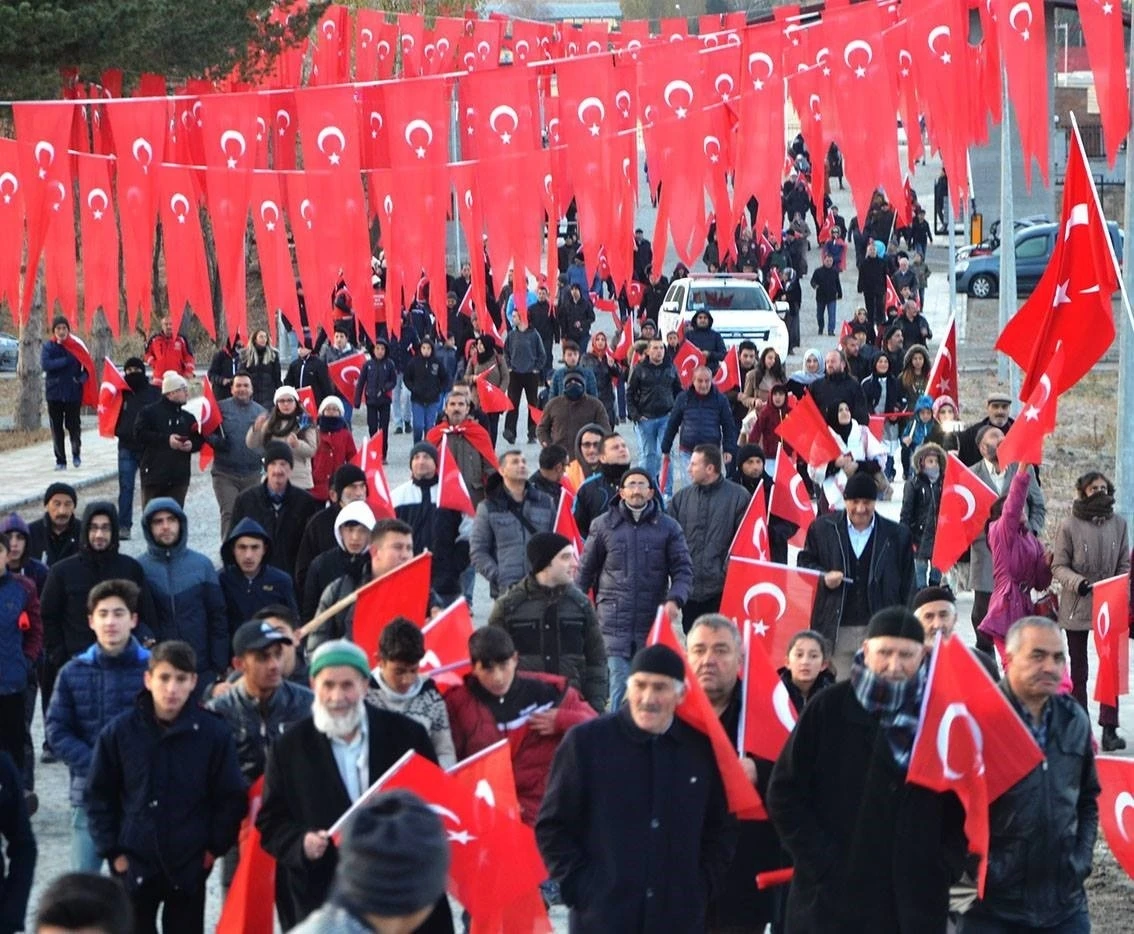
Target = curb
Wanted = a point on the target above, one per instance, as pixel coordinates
(13, 505)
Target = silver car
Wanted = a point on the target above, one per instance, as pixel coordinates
(9, 351)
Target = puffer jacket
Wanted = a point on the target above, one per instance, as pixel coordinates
(245, 596)
(1087, 550)
(377, 380)
(91, 690)
(164, 795)
(500, 532)
(596, 494)
(1042, 830)
(709, 515)
(708, 341)
(556, 631)
(633, 567)
(332, 450)
(63, 373)
(426, 379)
(189, 601)
(698, 419)
(652, 390)
(922, 499)
(256, 725)
(19, 648)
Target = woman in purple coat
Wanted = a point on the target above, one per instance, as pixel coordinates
(1020, 563)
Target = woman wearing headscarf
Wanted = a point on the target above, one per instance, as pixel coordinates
(812, 371)
(885, 396)
(1090, 545)
(286, 421)
(861, 452)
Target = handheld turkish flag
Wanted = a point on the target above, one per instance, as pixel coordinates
(345, 372)
(775, 284)
(965, 502)
(805, 429)
(565, 523)
(1071, 303)
(687, 359)
(1116, 776)
(943, 373)
(695, 709)
(452, 491)
(493, 399)
(774, 598)
(893, 299)
(625, 339)
(751, 538)
(827, 226)
(208, 422)
(110, 398)
(446, 658)
(369, 458)
(767, 716)
(727, 376)
(1110, 603)
(969, 740)
(403, 591)
(1024, 442)
(250, 906)
(307, 402)
(77, 349)
(494, 859)
(877, 426)
(790, 500)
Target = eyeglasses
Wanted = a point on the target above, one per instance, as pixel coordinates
(589, 444)
(635, 485)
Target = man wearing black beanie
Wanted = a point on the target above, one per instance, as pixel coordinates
(55, 535)
(348, 485)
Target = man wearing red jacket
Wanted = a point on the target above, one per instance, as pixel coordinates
(168, 351)
(532, 710)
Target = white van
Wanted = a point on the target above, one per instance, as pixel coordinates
(739, 305)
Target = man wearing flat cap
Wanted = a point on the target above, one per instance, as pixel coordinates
(322, 765)
(634, 826)
(867, 564)
(997, 405)
(871, 852)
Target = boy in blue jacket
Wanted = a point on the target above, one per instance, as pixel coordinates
(91, 690)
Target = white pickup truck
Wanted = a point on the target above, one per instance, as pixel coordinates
(741, 309)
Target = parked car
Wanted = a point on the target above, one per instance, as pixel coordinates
(979, 277)
(9, 351)
(992, 241)
(740, 307)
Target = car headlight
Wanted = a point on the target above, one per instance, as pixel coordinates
(962, 266)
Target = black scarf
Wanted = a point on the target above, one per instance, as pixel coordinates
(1097, 508)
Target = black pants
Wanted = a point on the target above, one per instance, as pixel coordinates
(875, 303)
(31, 691)
(64, 415)
(174, 491)
(181, 912)
(12, 728)
(695, 608)
(980, 611)
(526, 384)
(378, 419)
(1077, 654)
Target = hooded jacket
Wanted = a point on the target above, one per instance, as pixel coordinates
(596, 494)
(706, 340)
(577, 469)
(501, 529)
(189, 601)
(284, 522)
(31, 568)
(377, 380)
(66, 631)
(335, 562)
(922, 499)
(244, 596)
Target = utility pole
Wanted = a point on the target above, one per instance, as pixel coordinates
(1124, 453)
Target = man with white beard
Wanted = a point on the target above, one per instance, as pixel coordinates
(321, 766)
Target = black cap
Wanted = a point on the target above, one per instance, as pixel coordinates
(255, 635)
(662, 660)
(59, 487)
(860, 486)
(932, 595)
(895, 621)
(424, 447)
(543, 547)
(345, 476)
(278, 451)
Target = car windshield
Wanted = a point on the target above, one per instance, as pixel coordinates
(728, 298)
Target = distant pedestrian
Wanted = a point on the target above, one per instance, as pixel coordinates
(63, 385)
(168, 351)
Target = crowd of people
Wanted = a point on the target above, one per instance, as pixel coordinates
(169, 686)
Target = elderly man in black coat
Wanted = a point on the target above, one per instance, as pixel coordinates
(871, 852)
(634, 825)
(321, 766)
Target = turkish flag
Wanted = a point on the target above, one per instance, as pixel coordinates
(452, 493)
(274, 252)
(307, 403)
(727, 376)
(1023, 48)
(77, 349)
(250, 905)
(446, 658)
(494, 859)
(12, 220)
(790, 500)
(442, 44)
(990, 752)
(565, 523)
(1110, 605)
(286, 130)
(812, 95)
(1071, 303)
(807, 432)
(1023, 444)
(310, 214)
(186, 273)
(695, 709)
(767, 716)
(774, 598)
(100, 241)
(467, 186)
(369, 458)
(827, 226)
(625, 338)
(751, 538)
(371, 29)
(1116, 776)
(1103, 31)
(411, 35)
(493, 399)
(687, 359)
(775, 284)
(893, 299)
(403, 591)
(330, 62)
(208, 422)
(962, 513)
(345, 372)
(110, 398)
(943, 373)
(900, 60)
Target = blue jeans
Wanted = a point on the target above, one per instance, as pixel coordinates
(678, 470)
(84, 857)
(127, 473)
(424, 418)
(1078, 923)
(619, 670)
(831, 309)
(400, 402)
(649, 432)
(924, 574)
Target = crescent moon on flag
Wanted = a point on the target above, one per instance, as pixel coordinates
(419, 124)
(953, 712)
(503, 109)
(724, 78)
(329, 131)
(1102, 621)
(761, 57)
(366, 34)
(858, 44)
(228, 135)
(43, 146)
(675, 85)
(142, 145)
(1021, 7)
(969, 500)
(781, 704)
(773, 591)
(623, 94)
(934, 34)
(1122, 804)
(9, 177)
(95, 193)
(177, 199)
(269, 207)
(588, 103)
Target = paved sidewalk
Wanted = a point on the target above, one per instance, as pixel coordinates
(27, 471)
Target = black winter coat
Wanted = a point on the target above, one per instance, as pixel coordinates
(652, 390)
(132, 405)
(156, 424)
(831, 390)
(63, 373)
(871, 852)
(18, 868)
(311, 372)
(635, 827)
(708, 342)
(872, 276)
(825, 282)
(285, 525)
(376, 382)
(596, 494)
(163, 796)
(45, 546)
(426, 379)
(303, 791)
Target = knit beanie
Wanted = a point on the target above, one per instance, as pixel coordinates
(278, 451)
(659, 660)
(424, 447)
(59, 487)
(339, 652)
(171, 381)
(345, 476)
(860, 486)
(543, 547)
